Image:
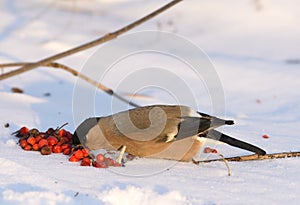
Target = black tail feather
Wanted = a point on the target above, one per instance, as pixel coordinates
(213, 134)
(229, 122)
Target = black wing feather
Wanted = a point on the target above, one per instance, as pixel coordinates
(191, 126)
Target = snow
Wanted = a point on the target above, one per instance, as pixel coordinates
(134, 195)
(253, 46)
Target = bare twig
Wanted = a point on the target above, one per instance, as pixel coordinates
(78, 74)
(256, 157)
(222, 159)
(59, 128)
(226, 163)
(96, 42)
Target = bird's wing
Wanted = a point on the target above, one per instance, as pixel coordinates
(191, 126)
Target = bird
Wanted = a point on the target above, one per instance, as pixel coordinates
(173, 132)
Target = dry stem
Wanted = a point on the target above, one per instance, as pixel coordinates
(226, 163)
(256, 157)
(78, 74)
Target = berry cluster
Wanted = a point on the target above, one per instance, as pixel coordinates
(82, 155)
(51, 141)
(60, 141)
(207, 150)
(103, 162)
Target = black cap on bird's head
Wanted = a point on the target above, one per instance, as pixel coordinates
(82, 130)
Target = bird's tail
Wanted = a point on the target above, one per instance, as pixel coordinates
(214, 134)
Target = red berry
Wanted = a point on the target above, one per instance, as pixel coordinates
(43, 135)
(85, 162)
(46, 150)
(207, 150)
(69, 135)
(31, 140)
(109, 161)
(73, 159)
(59, 143)
(62, 133)
(65, 146)
(35, 147)
(42, 143)
(99, 164)
(23, 142)
(50, 131)
(265, 136)
(57, 149)
(85, 152)
(38, 138)
(23, 131)
(100, 158)
(78, 154)
(117, 164)
(34, 132)
(67, 151)
(52, 140)
(65, 139)
(27, 147)
(51, 147)
(214, 151)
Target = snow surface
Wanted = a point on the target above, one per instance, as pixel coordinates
(254, 46)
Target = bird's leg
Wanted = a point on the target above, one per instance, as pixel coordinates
(122, 151)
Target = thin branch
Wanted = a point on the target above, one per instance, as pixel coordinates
(222, 159)
(96, 42)
(78, 74)
(226, 163)
(256, 157)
